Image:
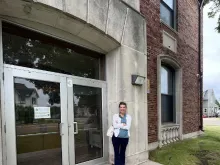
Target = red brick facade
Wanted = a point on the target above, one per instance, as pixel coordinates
(187, 55)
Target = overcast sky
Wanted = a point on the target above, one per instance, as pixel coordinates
(211, 54)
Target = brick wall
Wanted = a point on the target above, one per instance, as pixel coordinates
(187, 56)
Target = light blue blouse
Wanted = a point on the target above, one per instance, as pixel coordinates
(123, 133)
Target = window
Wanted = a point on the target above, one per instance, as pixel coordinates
(26, 48)
(34, 101)
(167, 12)
(22, 99)
(167, 94)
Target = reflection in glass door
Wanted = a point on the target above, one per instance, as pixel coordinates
(35, 113)
(41, 111)
(38, 119)
(88, 123)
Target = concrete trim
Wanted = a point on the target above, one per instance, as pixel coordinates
(153, 146)
(132, 7)
(123, 31)
(192, 135)
(134, 49)
(107, 20)
(47, 14)
(87, 15)
(165, 34)
(178, 93)
(100, 32)
(52, 32)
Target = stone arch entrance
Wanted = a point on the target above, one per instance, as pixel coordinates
(110, 27)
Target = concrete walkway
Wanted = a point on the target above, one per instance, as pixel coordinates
(152, 163)
(147, 163)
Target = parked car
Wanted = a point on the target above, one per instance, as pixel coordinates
(204, 116)
(216, 114)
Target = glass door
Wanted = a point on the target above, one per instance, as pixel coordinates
(36, 117)
(52, 118)
(87, 111)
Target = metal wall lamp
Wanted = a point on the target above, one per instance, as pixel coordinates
(137, 80)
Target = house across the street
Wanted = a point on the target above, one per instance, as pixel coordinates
(66, 64)
(210, 106)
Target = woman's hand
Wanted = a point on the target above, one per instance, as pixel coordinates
(124, 124)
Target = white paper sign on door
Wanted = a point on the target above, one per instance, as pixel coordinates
(42, 113)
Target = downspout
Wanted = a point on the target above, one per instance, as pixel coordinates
(200, 8)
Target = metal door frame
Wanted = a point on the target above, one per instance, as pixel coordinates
(73, 80)
(67, 109)
(9, 106)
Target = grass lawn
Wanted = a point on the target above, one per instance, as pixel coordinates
(204, 150)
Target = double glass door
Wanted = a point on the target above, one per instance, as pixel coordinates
(53, 119)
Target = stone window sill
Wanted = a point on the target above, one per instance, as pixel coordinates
(172, 29)
(164, 125)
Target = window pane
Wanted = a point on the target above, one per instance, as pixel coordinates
(164, 81)
(166, 15)
(167, 108)
(33, 50)
(167, 94)
(88, 115)
(38, 140)
(167, 78)
(170, 82)
(169, 3)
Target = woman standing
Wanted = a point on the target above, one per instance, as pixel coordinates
(120, 138)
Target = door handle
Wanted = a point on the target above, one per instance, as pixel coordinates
(75, 124)
(61, 129)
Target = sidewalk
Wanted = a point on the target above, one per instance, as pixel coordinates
(152, 163)
(211, 121)
(147, 163)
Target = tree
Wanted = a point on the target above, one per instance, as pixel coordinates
(34, 50)
(217, 103)
(215, 9)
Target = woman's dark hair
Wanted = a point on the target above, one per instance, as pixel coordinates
(122, 103)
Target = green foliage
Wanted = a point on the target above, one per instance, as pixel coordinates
(206, 2)
(200, 151)
(217, 103)
(41, 53)
(214, 10)
(24, 115)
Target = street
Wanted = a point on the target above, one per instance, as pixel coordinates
(211, 121)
